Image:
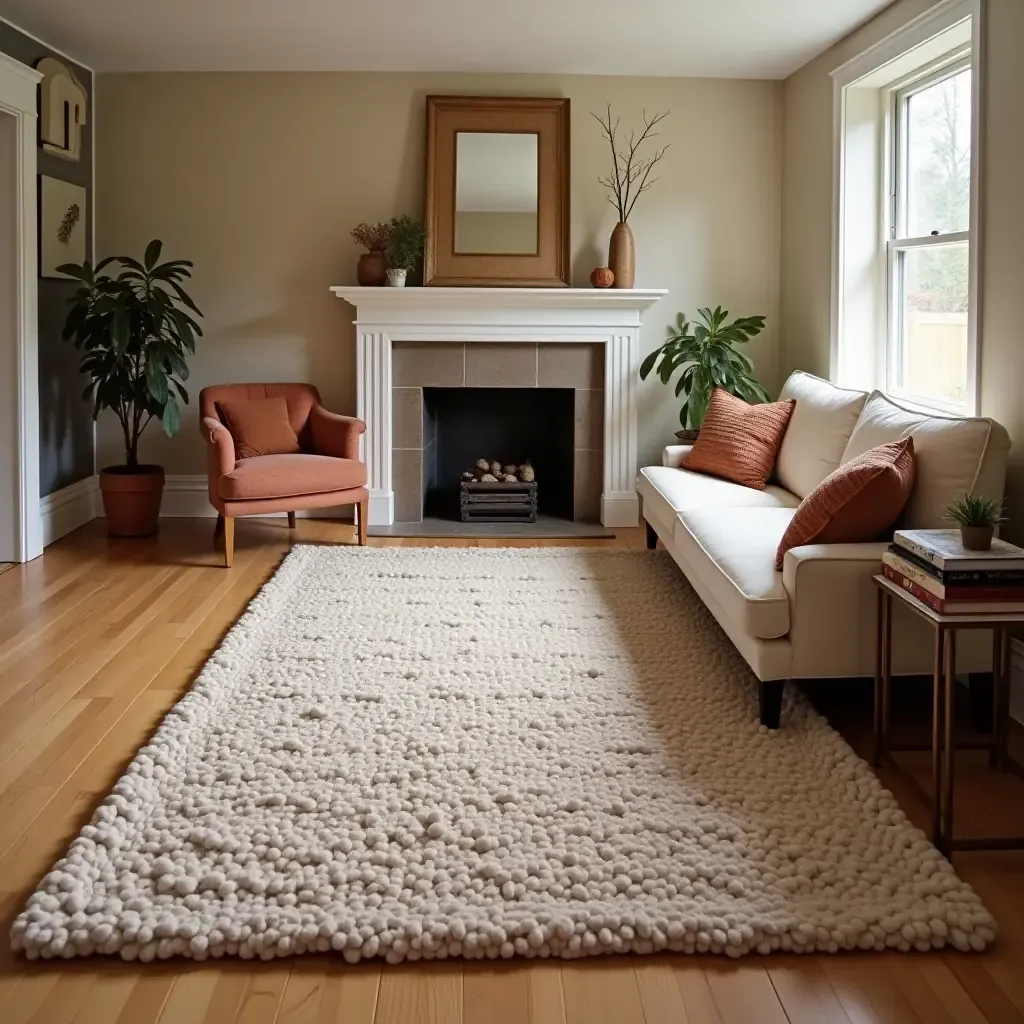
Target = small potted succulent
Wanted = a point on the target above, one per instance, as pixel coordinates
(977, 517)
(135, 333)
(405, 249)
(371, 270)
(709, 357)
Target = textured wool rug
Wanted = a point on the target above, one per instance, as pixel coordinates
(428, 753)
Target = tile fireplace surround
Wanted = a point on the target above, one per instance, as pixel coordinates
(533, 319)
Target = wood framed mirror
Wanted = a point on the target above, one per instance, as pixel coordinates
(497, 191)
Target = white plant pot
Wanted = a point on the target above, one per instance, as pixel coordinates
(396, 278)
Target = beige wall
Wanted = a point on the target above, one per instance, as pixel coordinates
(259, 177)
(807, 216)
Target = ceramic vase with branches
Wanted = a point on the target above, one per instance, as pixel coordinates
(630, 177)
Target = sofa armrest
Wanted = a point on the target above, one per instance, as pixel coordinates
(672, 455)
(221, 446)
(334, 434)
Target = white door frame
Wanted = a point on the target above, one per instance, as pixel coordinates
(22, 539)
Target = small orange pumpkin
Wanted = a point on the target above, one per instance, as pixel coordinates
(602, 277)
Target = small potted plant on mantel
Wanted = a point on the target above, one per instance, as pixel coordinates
(405, 249)
(977, 517)
(134, 331)
(371, 270)
(707, 351)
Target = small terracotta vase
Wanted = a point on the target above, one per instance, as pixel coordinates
(622, 256)
(977, 538)
(602, 277)
(371, 270)
(131, 499)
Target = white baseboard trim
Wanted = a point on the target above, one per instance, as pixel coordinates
(620, 509)
(69, 508)
(186, 496)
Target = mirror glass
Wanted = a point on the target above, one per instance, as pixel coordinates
(496, 175)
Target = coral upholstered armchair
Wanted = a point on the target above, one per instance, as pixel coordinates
(315, 466)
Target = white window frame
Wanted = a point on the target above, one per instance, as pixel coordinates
(892, 66)
(897, 241)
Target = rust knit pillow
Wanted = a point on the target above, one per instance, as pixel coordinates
(858, 502)
(260, 426)
(739, 441)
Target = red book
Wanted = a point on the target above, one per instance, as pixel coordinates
(948, 607)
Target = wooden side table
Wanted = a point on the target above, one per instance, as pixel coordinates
(943, 745)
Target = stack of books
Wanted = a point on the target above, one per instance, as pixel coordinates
(938, 570)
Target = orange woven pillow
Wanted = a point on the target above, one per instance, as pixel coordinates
(738, 441)
(858, 502)
(260, 426)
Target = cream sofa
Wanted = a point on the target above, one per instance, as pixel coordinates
(817, 617)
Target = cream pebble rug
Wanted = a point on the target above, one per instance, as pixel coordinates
(427, 753)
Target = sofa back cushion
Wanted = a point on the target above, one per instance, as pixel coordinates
(953, 455)
(818, 432)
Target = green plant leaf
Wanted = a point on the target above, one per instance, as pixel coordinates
(152, 253)
(648, 364)
(171, 417)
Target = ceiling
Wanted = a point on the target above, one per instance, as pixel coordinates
(691, 38)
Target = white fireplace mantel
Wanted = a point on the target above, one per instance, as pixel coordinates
(551, 315)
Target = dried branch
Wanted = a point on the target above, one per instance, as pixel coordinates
(627, 168)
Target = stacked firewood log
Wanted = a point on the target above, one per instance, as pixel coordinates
(488, 471)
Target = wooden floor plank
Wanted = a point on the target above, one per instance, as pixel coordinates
(660, 996)
(262, 996)
(602, 991)
(429, 996)
(106, 999)
(350, 995)
(495, 994)
(744, 993)
(547, 1001)
(805, 992)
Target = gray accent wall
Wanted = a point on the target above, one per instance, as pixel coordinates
(66, 448)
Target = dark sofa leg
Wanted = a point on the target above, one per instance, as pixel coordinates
(652, 536)
(770, 702)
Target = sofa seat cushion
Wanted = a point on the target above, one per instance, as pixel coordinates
(671, 491)
(281, 476)
(732, 552)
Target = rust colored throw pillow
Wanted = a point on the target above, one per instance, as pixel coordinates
(860, 501)
(738, 441)
(260, 426)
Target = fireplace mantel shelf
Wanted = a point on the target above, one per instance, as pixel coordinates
(478, 298)
(547, 316)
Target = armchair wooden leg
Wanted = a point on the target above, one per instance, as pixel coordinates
(229, 541)
(291, 520)
(361, 513)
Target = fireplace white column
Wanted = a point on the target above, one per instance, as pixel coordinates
(550, 315)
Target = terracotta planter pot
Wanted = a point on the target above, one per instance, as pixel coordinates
(131, 499)
(977, 538)
(622, 256)
(371, 270)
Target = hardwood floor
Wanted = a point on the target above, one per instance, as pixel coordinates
(99, 638)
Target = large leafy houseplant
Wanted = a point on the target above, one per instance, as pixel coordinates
(134, 330)
(708, 353)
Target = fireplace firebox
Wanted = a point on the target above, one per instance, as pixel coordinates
(509, 426)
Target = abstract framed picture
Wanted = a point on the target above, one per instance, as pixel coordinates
(62, 238)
